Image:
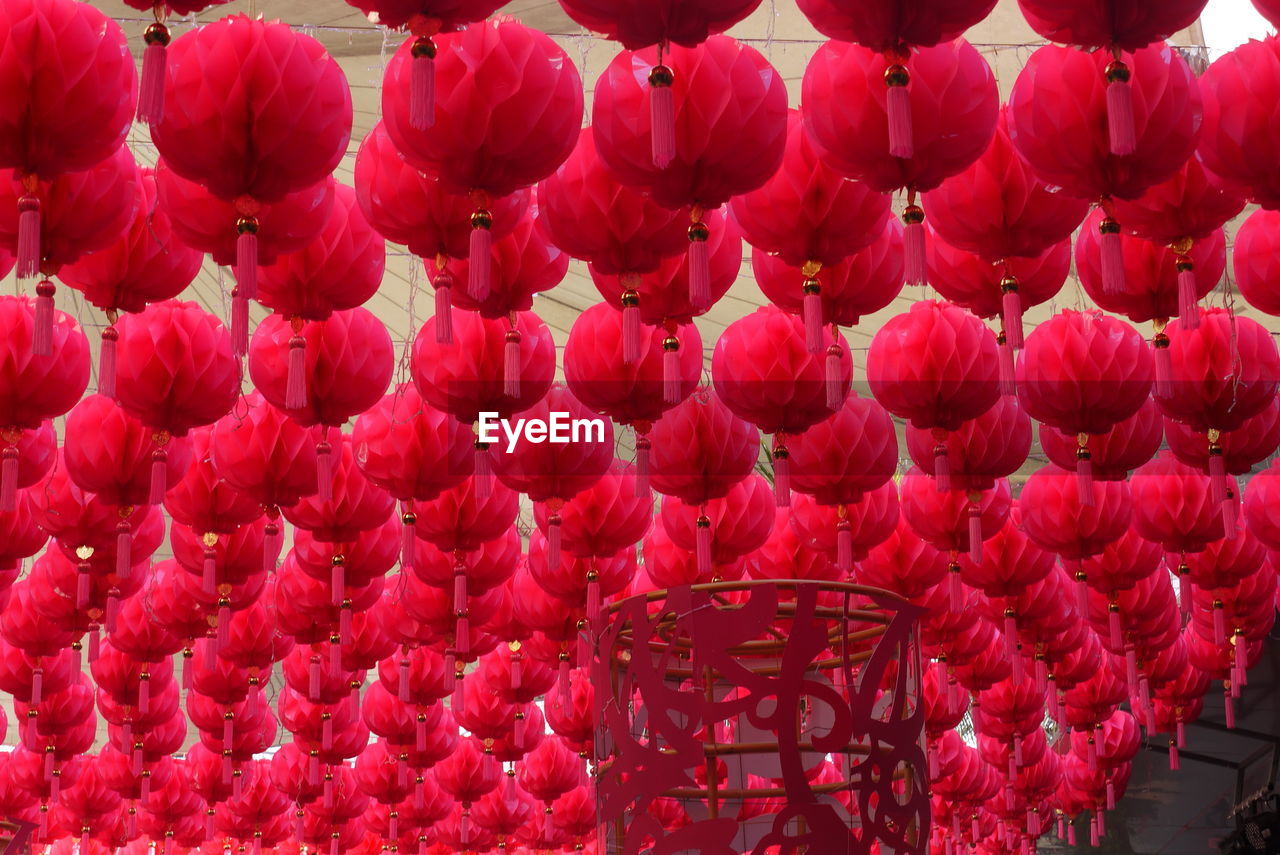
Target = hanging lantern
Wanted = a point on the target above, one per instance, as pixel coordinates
(1237, 88)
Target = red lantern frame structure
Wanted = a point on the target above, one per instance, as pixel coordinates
(740, 715)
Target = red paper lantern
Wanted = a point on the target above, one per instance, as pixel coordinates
(810, 216)
(74, 88)
(1083, 373)
(1261, 512)
(989, 446)
(903, 563)
(926, 125)
(709, 153)
(533, 112)
(998, 209)
(849, 454)
(1253, 261)
(1241, 449)
(954, 521)
(937, 366)
(1237, 124)
(355, 505)
(764, 373)
(869, 522)
(1173, 506)
(700, 450)
(1159, 282)
(1113, 454)
(722, 530)
(229, 86)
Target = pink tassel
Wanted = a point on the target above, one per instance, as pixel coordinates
(224, 626)
(458, 699)
(699, 267)
(836, 390)
(511, 365)
(1240, 676)
(8, 479)
(933, 764)
(942, 468)
(1011, 636)
(48, 766)
(1112, 254)
(151, 87)
(662, 116)
(344, 628)
(976, 830)
(1174, 763)
(1091, 754)
(914, 244)
(422, 85)
(1071, 835)
(553, 541)
(313, 770)
(1188, 303)
(703, 547)
(1008, 371)
(642, 464)
(898, 108)
(295, 395)
(403, 687)
(1131, 669)
(844, 547)
(630, 331)
(144, 696)
(239, 322)
(1229, 523)
(1120, 110)
(1113, 622)
(480, 258)
(672, 379)
(460, 590)
(246, 271)
(42, 335)
(562, 681)
(337, 581)
(271, 548)
(124, 549)
(1230, 707)
(443, 285)
(28, 237)
(1217, 475)
(975, 534)
(82, 588)
(159, 476)
(313, 680)
(483, 472)
(1082, 596)
(451, 677)
(1012, 316)
(408, 540)
(1180, 732)
(324, 468)
(1017, 751)
(955, 590)
(782, 477)
(228, 730)
(812, 314)
(1219, 624)
(593, 602)
(107, 362)
(1084, 477)
(1164, 370)
(355, 695)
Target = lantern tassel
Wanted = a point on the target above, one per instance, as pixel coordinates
(898, 108)
(834, 379)
(42, 335)
(942, 468)
(511, 365)
(630, 333)
(1082, 596)
(480, 261)
(1012, 315)
(1084, 480)
(107, 362)
(295, 395)
(1120, 110)
(662, 116)
(1188, 302)
(782, 477)
(144, 695)
(642, 464)
(1008, 371)
(975, 534)
(422, 88)
(1219, 624)
(672, 381)
(337, 581)
(1113, 627)
(239, 322)
(272, 546)
(124, 549)
(28, 236)
(1164, 369)
(703, 547)
(483, 472)
(1174, 764)
(812, 315)
(444, 308)
(313, 680)
(324, 467)
(1230, 706)
(407, 539)
(914, 246)
(159, 476)
(151, 87)
(8, 479)
(955, 591)
(1112, 252)
(246, 271)
(699, 267)
(553, 542)
(1217, 475)
(402, 689)
(844, 547)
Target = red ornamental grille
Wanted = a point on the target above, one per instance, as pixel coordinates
(761, 717)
